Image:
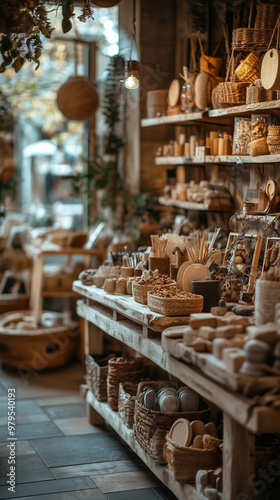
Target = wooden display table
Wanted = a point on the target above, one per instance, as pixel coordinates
(125, 320)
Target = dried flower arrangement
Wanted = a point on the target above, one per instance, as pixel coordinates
(23, 22)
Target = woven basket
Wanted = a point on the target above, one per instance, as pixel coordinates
(274, 150)
(184, 462)
(256, 93)
(232, 93)
(251, 39)
(96, 374)
(140, 292)
(150, 426)
(126, 402)
(122, 370)
(249, 70)
(175, 307)
(267, 15)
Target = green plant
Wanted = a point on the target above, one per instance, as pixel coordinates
(100, 175)
(22, 24)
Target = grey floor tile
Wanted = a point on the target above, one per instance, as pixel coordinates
(66, 411)
(32, 419)
(27, 470)
(164, 493)
(48, 487)
(75, 450)
(91, 494)
(117, 466)
(147, 494)
(125, 481)
(22, 448)
(59, 400)
(31, 431)
(22, 407)
(80, 425)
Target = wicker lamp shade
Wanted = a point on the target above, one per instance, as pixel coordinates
(77, 98)
(106, 3)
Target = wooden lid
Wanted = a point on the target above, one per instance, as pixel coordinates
(173, 93)
(181, 432)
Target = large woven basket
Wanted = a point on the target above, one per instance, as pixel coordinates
(232, 93)
(251, 39)
(267, 15)
(150, 426)
(175, 307)
(126, 403)
(249, 70)
(122, 370)
(96, 374)
(184, 462)
(140, 292)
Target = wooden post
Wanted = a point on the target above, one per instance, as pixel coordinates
(238, 461)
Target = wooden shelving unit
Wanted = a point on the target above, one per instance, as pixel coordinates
(247, 109)
(118, 317)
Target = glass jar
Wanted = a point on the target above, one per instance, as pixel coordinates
(259, 126)
(186, 98)
(242, 136)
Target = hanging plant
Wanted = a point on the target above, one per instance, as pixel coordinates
(23, 22)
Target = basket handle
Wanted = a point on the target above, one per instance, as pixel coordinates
(250, 14)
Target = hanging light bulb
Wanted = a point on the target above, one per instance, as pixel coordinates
(131, 80)
(131, 75)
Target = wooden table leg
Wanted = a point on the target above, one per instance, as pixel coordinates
(38, 288)
(238, 461)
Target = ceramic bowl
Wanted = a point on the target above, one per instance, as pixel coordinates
(169, 404)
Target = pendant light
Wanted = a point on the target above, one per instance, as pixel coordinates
(132, 66)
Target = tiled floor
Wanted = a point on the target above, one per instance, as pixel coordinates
(59, 455)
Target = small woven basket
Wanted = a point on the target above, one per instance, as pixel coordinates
(96, 375)
(126, 402)
(267, 15)
(122, 370)
(257, 93)
(150, 426)
(249, 70)
(184, 462)
(140, 292)
(175, 307)
(232, 93)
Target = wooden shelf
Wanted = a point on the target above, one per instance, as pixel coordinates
(186, 119)
(247, 109)
(182, 491)
(187, 205)
(232, 159)
(256, 420)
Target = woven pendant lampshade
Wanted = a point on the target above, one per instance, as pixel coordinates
(106, 3)
(77, 98)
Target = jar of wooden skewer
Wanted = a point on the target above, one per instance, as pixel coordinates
(158, 260)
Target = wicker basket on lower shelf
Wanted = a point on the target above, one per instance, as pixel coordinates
(175, 306)
(126, 403)
(150, 426)
(184, 462)
(96, 374)
(122, 370)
